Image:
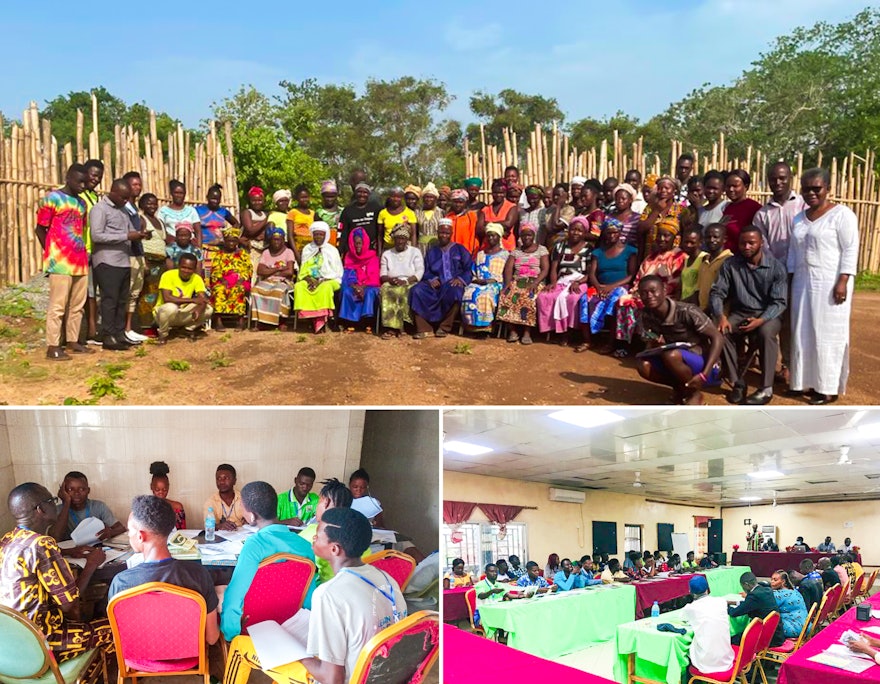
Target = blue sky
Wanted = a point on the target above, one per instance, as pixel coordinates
(594, 58)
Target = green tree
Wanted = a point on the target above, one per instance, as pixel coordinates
(248, 108)
(514, 110)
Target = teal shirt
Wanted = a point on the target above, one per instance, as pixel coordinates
(485, 585)
(265, 542)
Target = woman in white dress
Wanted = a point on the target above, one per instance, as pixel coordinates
(823, 258)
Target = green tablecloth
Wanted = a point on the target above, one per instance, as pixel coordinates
(661, 656)
(556, 624)
(725, 580)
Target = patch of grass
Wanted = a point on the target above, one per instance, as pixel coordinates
(868, 282)
(105, 386)
(73, 401)
(321, 341)
(116, 371)
(300, 339)
(225, 337)
(6, 332)
(219, 359)
(141, 351)
(463, 348)
(178, 365)
(22, 370)
(13, 303)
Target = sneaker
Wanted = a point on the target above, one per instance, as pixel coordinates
(97, 341)
(133, 338)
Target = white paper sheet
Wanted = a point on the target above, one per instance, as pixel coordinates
(86, 533)
(279, 645)
(367, 505)
(238, 535)
(190, 534)
(226, 548)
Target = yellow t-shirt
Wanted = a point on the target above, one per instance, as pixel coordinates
(172, 281)
(389, 222)
(301, 223)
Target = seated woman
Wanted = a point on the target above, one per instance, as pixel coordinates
(182, 244)
(666, 262)
(437, 298)
(612, 269)
(558, 304)
(458, 577)
(481, 296)
(552, 567)
(270, 297)
(230, 280)
(319, 276)
(360, 279)
(159, 486)
(792, 609)
(401, 268)
(524, 274)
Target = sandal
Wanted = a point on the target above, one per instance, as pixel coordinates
(620, 353)
(441, 333)
(57, 354)
(513, 337)
(421, 335)
(77, 348)
(582, 347)
(526, 339)
(388, 335)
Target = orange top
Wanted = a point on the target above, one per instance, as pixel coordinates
(464, 230)
(508, 241)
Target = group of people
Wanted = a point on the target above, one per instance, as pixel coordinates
(704, 279)
(37, 580)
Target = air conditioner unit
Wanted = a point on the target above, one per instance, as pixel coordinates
(567, 495)
(769, 532)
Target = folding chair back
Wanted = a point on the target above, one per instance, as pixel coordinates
(278, 589)
(399, 565)
(403, 652)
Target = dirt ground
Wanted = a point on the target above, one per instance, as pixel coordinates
(277, 368)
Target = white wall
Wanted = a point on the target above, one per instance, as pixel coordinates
(7, 479)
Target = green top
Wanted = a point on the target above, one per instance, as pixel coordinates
(289, 507)
(485, 585)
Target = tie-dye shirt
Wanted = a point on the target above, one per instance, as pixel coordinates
(65, 252)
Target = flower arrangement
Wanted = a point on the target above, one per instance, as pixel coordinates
(857, 549)
(788, 548)
(735, 547)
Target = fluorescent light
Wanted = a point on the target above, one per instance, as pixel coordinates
(466, 448)
(750, 498)
(766, 474)
(586, 417)
(869, 429)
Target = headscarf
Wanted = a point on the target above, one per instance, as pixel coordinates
(414, 189)
(579, 180)
(365, 264)
(184, 225)
(650, 181)
(401, 229)
(535, 190)
(231, 231)
(445, 221)
(396, 190)
(627, 188)
(329, 186)
(281, 194)
(669, 224)
(474, 180)
(611, 222)
(256, 191)
(319, 226)
(445, 190)
(676, 184)
(581, 221)
(459, 194)
(496, 228)
(526, 225)
(273, 230)
(363, 186)
(430, 189)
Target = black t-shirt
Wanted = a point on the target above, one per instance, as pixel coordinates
(830, 578)
(354, 216)
(186, 574)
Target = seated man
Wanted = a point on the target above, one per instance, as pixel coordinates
(759, 603)
(630, 560)
(333, 494)
(566, 578)
(298, 506)
(516, 570)
(588, 570)
(226, 503)
(489, 589)
(714, 238)
(259, 501)
(182, 301)
(847, 546)
(532, 578)
(37, 582)
(348, 611)
(613, 573)
(710, 650)
(674, 563)
(503, 570)
(754, 286)
(769, 545)
(665, 321)
(800, 545)
(689, 564)
(149, 524)
(810, 585)
(707, 562)
(826, 546)
(76, 506)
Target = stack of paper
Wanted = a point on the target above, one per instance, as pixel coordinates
(86, 533)
(182, 547)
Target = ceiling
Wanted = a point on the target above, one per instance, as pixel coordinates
(689, 455)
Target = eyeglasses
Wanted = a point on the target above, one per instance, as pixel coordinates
(54, 500)
(815, 189)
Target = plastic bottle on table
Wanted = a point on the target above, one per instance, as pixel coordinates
(655, 610)
(210, 525)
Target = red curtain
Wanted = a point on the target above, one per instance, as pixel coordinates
(500, 515)
(702, 520)
(457, 512)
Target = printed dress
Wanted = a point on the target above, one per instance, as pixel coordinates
(479, 301)
(516, 303)
(230, 281)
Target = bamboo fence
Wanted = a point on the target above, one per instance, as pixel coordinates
(32, 162)
(550, 158)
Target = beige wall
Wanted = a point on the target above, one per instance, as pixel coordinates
(813, 522)
(566, 528)
(114, 448)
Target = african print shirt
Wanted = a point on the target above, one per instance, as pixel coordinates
(65, 251)
(35, 579)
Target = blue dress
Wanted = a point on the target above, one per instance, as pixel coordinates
(445, 265)
(792, 611)
(350, 308)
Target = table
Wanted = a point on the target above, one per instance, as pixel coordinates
(454, 605)
(725, 579)
(765, 563)
(660, 589)
(555, 624)
(470, 659)
(797, 669)
(660, 656)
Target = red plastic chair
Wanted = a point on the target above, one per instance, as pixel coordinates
(278, 589)
(768, 629)
(745, 656)
(857, 589)
(159, 629)
(403, 652)
(829, 602)
(470, 598)
(779, 654)
(399, 565)
(841, 601)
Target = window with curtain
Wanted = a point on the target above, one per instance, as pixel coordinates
(480, 544)
(632, 538)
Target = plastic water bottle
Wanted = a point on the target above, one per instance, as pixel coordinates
(211, 525)
(655, 610)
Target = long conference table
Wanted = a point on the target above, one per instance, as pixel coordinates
(471, 659)
(765, 563)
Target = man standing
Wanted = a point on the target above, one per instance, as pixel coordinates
(226, 502)
(36, 581)
(182, 300)
(754, 286)
(298, 506)
(94, 176)
(149, 524)
(753, 539)
(61, 231)
(759, 603)
(684, 169)
(112, 236)
(138, 260)
(710, 651)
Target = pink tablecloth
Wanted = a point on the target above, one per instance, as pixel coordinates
(765, 563)
(472, 659)
(799, 670)
(454, 606)
(660, 590)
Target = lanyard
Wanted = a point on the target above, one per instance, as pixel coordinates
(387, 594)
(223, 510)
(76, 518)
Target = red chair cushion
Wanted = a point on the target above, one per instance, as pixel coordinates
(787, 647)
(146, 665)
(722, 676)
